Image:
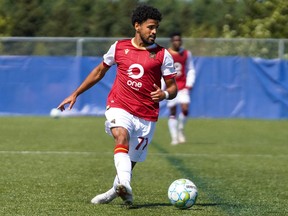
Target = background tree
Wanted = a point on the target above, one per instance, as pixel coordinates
(111, 18)
(261, 19)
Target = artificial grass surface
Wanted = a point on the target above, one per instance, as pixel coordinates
(56, 166)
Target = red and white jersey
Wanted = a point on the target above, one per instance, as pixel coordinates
(184, 66)
(137, 71)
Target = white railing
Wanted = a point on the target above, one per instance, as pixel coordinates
(84, 46)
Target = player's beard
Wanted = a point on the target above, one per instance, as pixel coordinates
(146, 40)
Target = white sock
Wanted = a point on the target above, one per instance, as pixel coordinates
(182, 121)
(172, 124)
(116, 182)
(123, 166)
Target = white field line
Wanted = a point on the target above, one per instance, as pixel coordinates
(151, 154)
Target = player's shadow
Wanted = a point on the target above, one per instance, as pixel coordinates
(153, 205)
(207, 204)
(148, 205)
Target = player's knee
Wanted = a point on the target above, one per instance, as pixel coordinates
(185, 112)
(121, 139)
(120, 135)
(172, 113)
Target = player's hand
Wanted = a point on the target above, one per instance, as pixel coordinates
(157, 95)
(69, 100)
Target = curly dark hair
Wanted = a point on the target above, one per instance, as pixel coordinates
(145, 12)
(173, 34)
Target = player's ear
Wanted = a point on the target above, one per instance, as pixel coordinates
(137, 27)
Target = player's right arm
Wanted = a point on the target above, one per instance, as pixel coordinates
(94, 77)
(190, 71)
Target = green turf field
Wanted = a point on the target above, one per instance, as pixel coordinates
(55, 166)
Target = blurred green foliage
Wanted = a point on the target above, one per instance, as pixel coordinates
(111, 18)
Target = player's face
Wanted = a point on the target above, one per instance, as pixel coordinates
(147, 31)
(176, 42)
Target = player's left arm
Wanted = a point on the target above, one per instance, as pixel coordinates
(168, 74)
(190, 71)
(169, 93)
(171, 88)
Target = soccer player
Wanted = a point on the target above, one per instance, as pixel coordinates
(185, 80)
(133, 102)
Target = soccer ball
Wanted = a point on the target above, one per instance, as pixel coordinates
(182, 193)
(55, 113)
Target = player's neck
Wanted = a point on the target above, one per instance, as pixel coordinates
(175, 50)
(138, 43)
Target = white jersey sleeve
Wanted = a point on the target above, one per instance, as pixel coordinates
(191, 73)
(109, 57)
(167, 67)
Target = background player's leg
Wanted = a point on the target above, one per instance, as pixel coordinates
(173, 126)
(181, 122)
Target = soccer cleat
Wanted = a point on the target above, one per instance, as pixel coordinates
(181, 137)
(125, 192)
(105, 198)
(174, 142)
